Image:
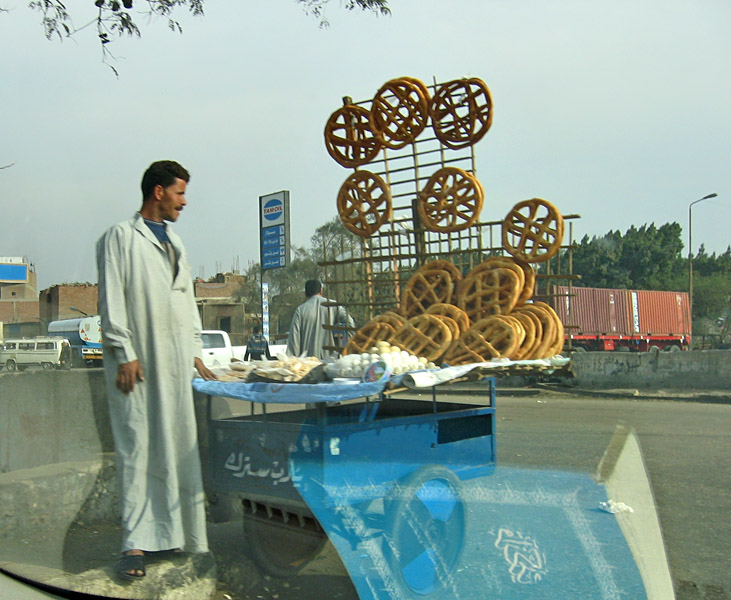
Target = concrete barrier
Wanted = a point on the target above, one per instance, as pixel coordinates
(702, 370)
(49, 417)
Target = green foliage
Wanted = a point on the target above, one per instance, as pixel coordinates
(642, 258)
(651, 258)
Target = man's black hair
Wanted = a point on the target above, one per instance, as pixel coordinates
(164, 173)
(257, 329)
(312, 287)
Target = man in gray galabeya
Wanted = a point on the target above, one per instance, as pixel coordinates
(152, 341)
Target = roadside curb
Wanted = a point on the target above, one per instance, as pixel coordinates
(705, 397)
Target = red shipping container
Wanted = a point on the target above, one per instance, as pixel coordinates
(594, 311)
(660, 313)
(604, 311)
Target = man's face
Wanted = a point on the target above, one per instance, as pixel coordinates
(171, 200)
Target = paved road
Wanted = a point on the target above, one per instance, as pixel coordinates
(686, 452)
(685, 448)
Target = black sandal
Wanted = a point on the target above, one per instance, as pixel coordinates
(133, 563)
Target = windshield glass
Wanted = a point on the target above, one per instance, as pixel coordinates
(479, 343)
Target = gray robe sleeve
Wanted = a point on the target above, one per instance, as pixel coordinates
(110, 253)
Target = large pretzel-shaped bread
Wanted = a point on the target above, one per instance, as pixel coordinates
(424, 288)
(451, 200)
(364, 203)
(440, 263)
(453, 312)
(349, 138)
(529, 351)
(529, 326)
(533, 230)
(559, 335)
(399, 112)
(423, 335)
(394, 319)
(548, 331)
(367, 336)
(487, 292)
(461, 112)
(491, 337)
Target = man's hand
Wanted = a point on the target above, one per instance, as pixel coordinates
(203, 370)
(128, 374)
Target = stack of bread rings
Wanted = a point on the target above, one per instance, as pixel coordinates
(486, 314)
(460, 113)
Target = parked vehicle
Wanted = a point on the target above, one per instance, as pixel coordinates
(84, 335)
(219, 352)
(600, 319)
(47, 352)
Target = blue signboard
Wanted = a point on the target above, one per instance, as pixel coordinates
(274, 230)
(13, 273)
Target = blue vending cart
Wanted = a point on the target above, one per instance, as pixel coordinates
(365, 459)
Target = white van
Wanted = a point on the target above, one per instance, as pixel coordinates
(46, 352)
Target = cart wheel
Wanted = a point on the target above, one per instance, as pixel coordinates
(11, 366)
(47, 366)
(280, 549)
(425, 527)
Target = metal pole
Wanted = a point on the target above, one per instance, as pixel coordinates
(690, 251)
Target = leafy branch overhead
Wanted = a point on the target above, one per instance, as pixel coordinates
(115, 19)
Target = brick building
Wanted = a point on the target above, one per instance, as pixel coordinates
(220, 307)
(25, 313)
(67, 301)
(18, 298)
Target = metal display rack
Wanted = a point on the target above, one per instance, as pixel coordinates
(369, 279)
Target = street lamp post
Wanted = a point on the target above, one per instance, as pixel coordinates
(690, 249)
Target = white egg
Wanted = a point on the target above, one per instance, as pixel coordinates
(373, 350)
(365, 355)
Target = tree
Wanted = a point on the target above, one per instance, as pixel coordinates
(642, 258)
(114, 19)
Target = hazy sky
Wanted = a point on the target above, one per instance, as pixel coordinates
(619, 111)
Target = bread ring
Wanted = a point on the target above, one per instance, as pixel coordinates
(488, 291)
(349, 138)
(367, 336)
(399, 112)
(461, 112)
(548, 334)
(390, 317)
(450, 322)
(424, 288)
(559, 334)
(423, 335)
(453, 312)
(440, 263)
(507, 262)
(450, 201)
(533, 230)
(529, 326)
(364, 203)
(492, 337)
(530, 281)
(421, 85)
(528, 351)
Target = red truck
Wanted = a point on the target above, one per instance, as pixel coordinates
(599, 319)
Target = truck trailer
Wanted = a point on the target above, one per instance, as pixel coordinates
(602, 319)
(85, 336)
